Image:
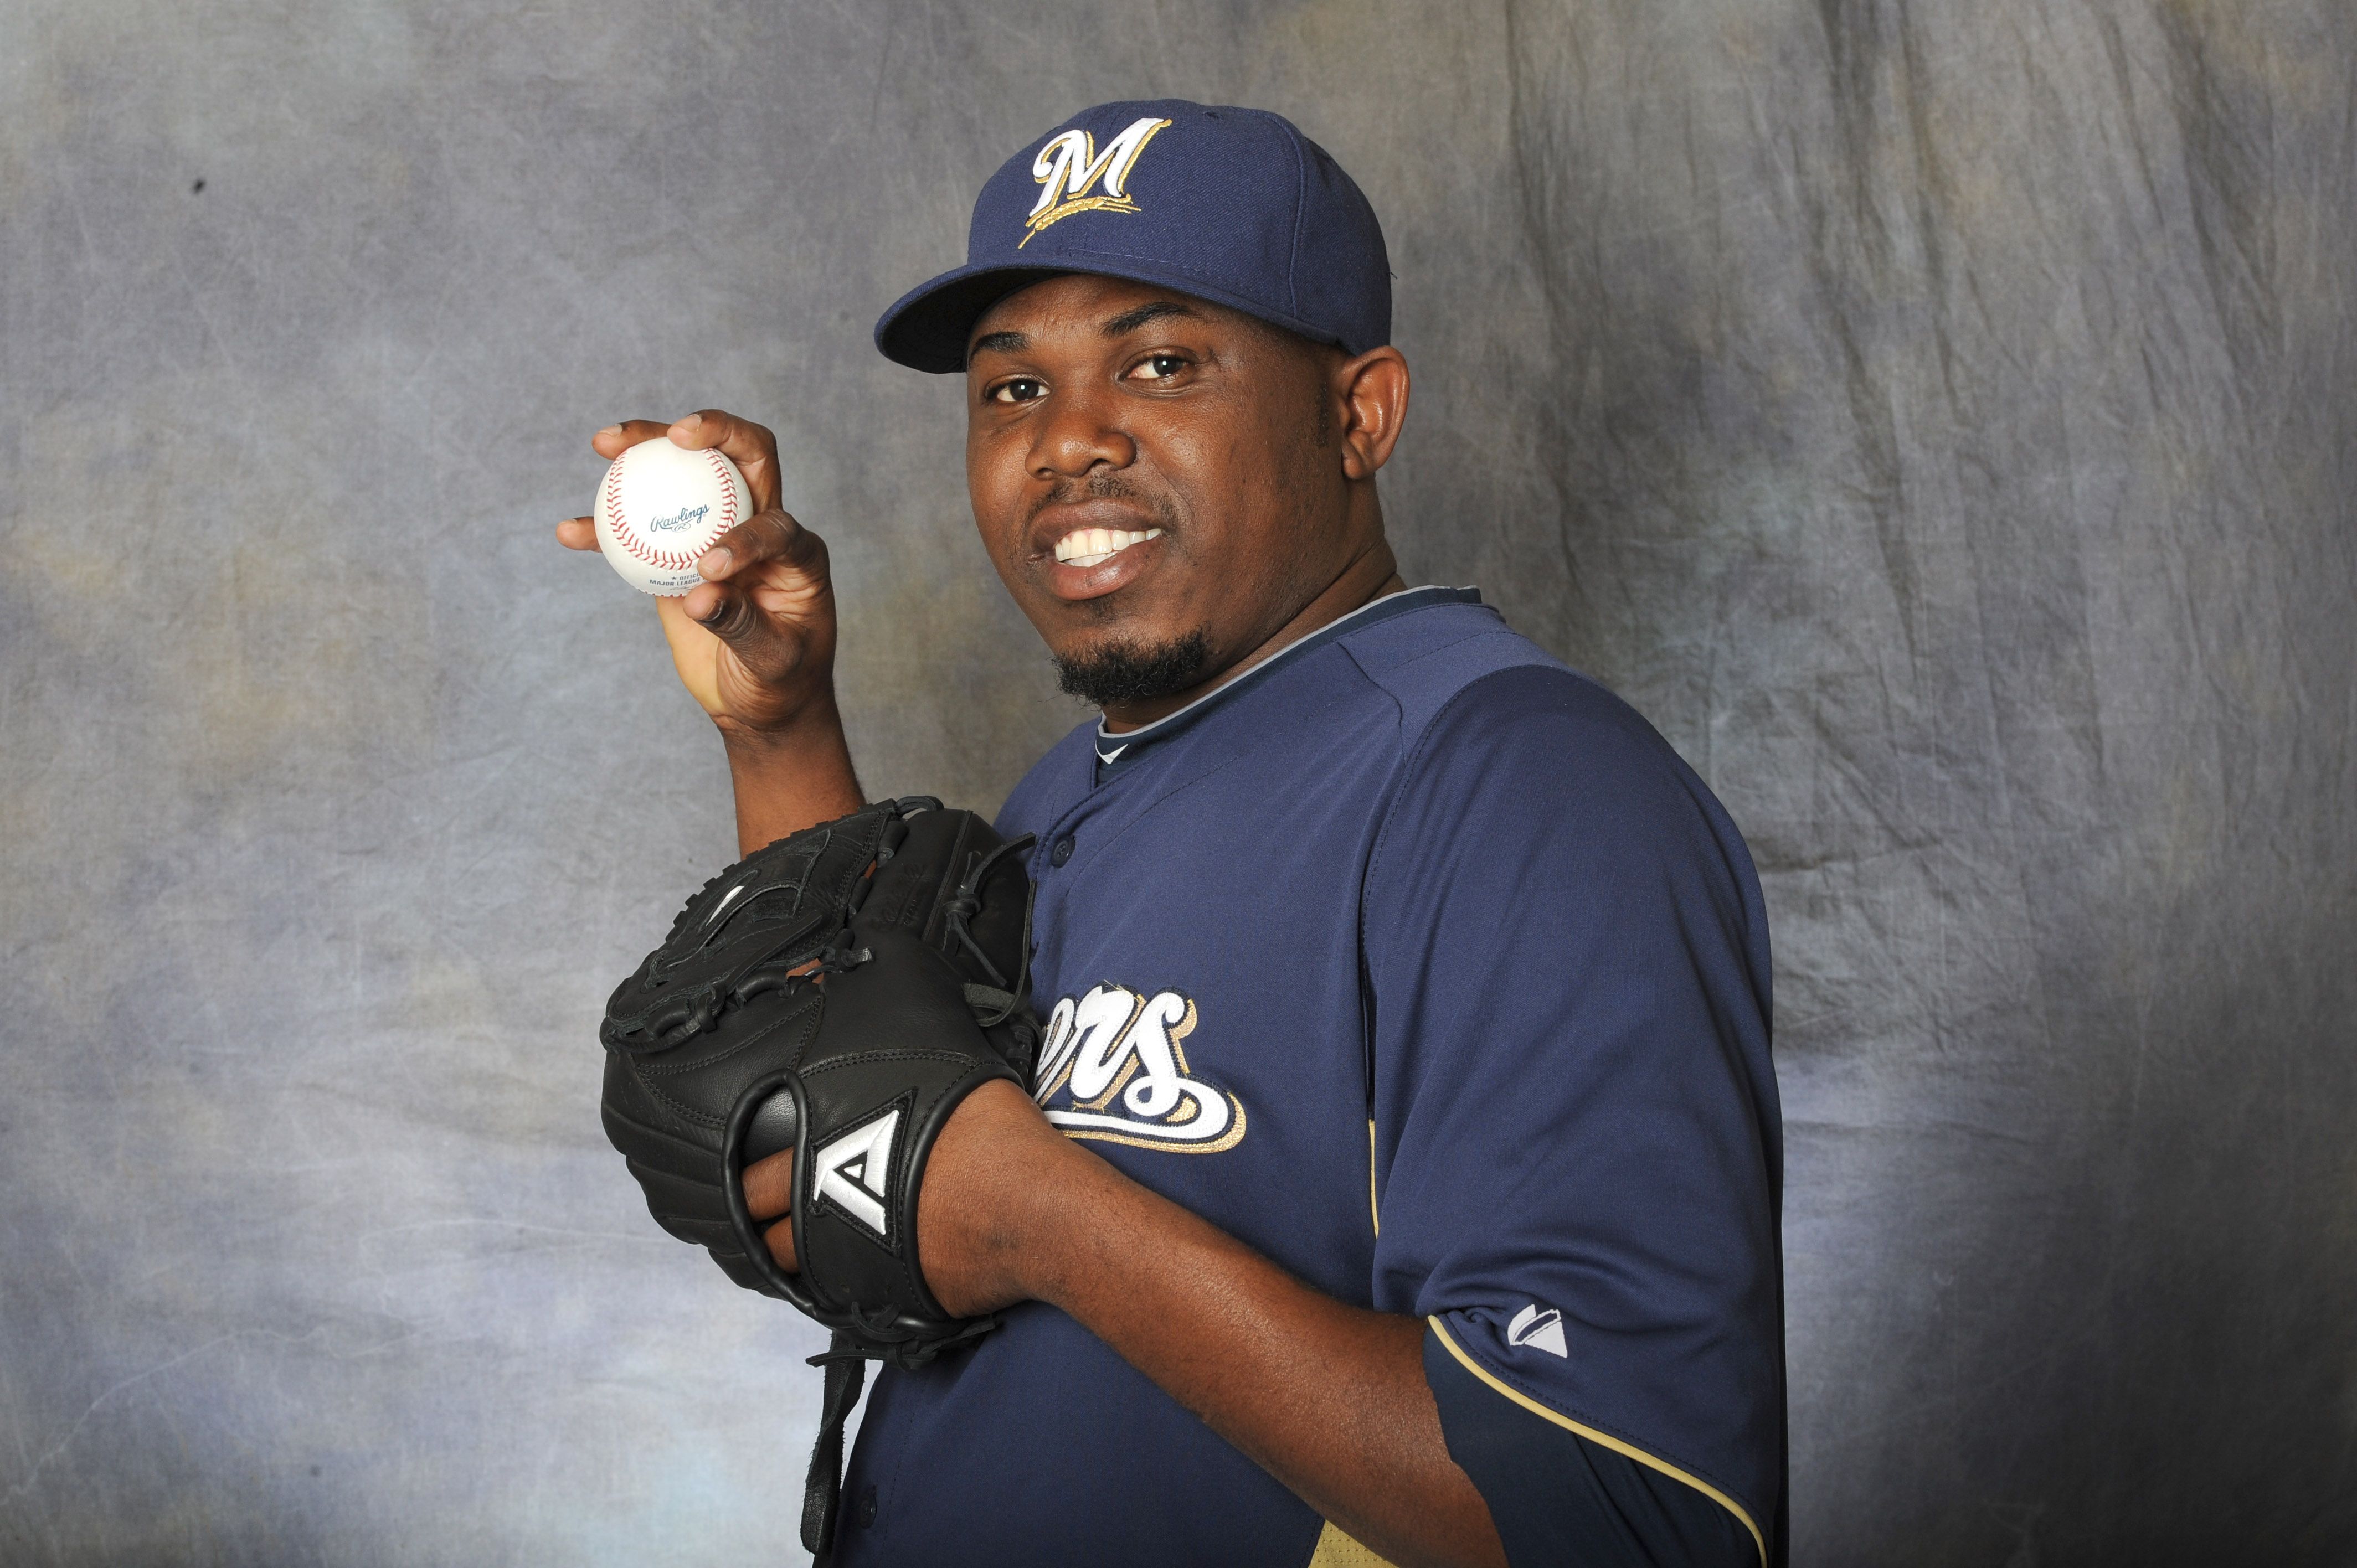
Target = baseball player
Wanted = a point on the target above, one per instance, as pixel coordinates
(1399, 1180)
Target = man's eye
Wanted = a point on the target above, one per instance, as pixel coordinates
(1159, 366)
(1020, 390)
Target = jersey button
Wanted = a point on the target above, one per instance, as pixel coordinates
(1062, 852)
(866, 1513)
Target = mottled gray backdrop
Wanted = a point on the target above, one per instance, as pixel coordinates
(1937, 417)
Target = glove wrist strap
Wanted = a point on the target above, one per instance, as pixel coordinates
(847, 1371)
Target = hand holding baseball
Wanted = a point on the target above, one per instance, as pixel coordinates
(754, 643)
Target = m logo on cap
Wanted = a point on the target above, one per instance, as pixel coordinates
(1069, 165)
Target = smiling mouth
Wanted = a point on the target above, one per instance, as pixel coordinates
(1096, 546)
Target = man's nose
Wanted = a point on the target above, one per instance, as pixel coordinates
(1079, 433)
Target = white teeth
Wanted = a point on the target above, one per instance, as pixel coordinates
(1093, 546)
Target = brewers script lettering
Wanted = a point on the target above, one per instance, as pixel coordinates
(1113, 1068)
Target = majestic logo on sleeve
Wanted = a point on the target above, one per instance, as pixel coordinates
(1542, 1329)
(1069, 165)
(1113, 1068)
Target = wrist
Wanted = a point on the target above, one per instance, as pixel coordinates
(1064, 1208)
(790, 776)
(815, 718)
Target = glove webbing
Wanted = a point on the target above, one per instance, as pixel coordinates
(847, 1371)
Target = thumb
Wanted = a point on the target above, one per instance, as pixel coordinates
(769, 647)
(763, 537)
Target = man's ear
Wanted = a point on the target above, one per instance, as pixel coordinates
(1372, 393)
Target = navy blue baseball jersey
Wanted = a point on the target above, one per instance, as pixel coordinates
(1422, 964)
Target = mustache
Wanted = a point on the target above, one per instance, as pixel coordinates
(1103, 487)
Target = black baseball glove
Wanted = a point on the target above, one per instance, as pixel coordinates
(838, 994)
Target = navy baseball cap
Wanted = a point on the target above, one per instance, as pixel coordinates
(1235, 206)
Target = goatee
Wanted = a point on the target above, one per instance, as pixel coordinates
(1134, 673)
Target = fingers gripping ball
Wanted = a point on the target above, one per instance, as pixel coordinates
(839, 993)
(661, 507)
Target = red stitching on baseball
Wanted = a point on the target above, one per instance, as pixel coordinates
(629, 538)
(727, 491)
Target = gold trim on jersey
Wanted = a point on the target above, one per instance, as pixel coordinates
(1603, 1439)
(1337, 1549)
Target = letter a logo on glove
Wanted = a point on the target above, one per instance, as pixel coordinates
(851, 1171)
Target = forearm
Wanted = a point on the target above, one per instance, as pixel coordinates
(1329, 1399)
(786, 780)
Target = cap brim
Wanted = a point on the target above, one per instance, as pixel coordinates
(927, 329)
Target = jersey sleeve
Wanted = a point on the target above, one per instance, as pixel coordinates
(1575, 1138)
(1557, 1496)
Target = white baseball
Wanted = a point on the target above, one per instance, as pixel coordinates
(661, 507)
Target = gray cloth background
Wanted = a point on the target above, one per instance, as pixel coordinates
(1937, 417)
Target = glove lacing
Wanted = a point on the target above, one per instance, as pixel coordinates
(963, 906)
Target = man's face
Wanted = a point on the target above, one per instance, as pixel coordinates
(1155, 478)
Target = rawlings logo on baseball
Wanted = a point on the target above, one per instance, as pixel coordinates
(1112, 1066)
(686, 517)
(661, 507)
